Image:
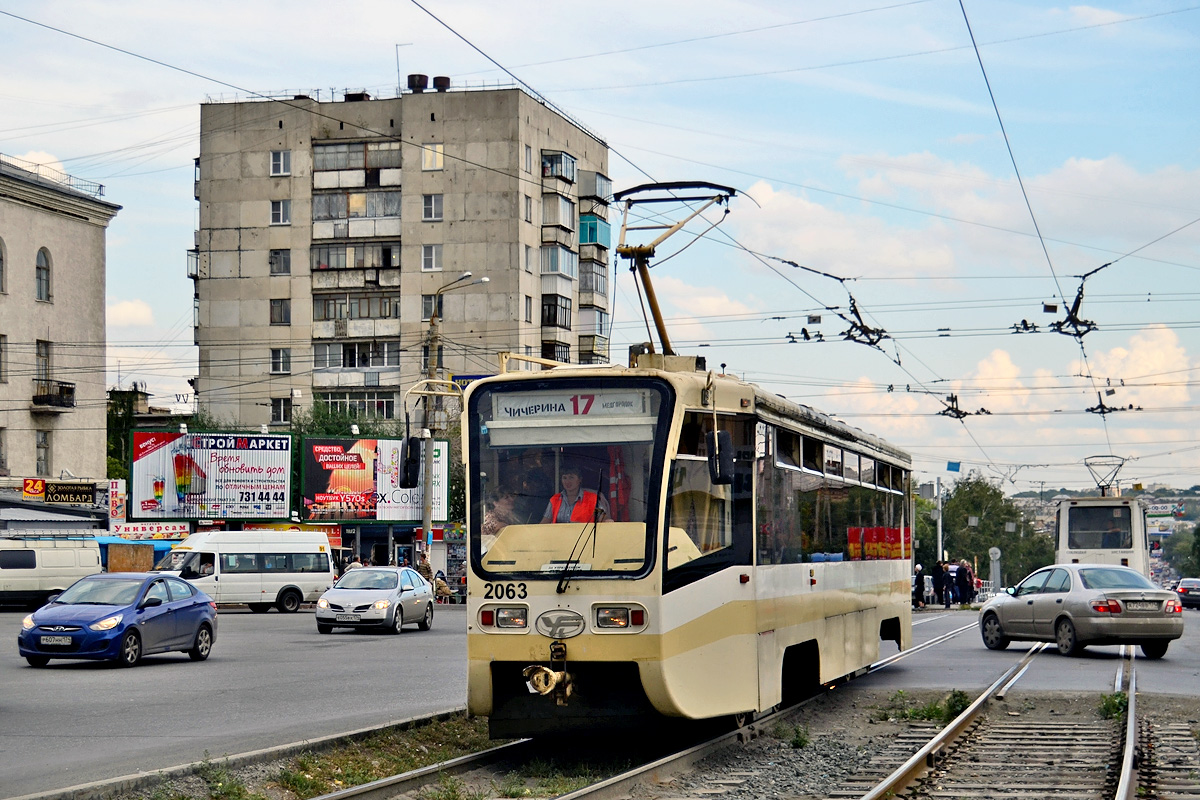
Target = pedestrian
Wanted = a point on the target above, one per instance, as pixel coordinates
(966, 582)
(947, 586)
(918, 598)
(424, 569)
(355, 564)
(938, 581)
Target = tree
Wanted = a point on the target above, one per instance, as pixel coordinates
(1023, 549)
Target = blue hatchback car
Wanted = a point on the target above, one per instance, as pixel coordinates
(120, 617)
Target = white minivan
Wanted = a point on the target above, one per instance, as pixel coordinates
(36, 564)
(258, 568)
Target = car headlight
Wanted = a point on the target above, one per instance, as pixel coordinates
(322, 603)
(106, 624)
(28, 623)
(382, 604)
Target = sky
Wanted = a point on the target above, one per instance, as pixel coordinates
(931, 179)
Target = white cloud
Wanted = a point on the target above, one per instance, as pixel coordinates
(44, 159)
(130, 314)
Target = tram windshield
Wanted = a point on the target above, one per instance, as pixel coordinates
(562, 473)
(1100, 527)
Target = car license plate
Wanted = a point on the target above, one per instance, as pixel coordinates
(51, 640)
(1141, 605)
(348, 617)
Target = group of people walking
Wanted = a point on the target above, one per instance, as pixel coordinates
(952, 582)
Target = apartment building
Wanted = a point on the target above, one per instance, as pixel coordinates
(52, 339)
(329, 230)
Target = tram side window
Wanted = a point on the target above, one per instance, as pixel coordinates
(1102, 527)
(709, 527)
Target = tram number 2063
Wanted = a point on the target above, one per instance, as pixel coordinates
(505, 591)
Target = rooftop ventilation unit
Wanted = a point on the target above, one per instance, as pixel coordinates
(418, 83)
(441, 83)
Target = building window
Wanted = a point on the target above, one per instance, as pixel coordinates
(431, 258)
(558, 210)
(425, 357)
(593, 277)
(281, 360)
(528, 158)
(359, 155)
(427, 301)
(359, 256)
(557, 164)
(431, 208)
(363, 305)
(3, 457)
(355, 205)
(281, 162)
(41, 361)
(360, 404)
(3, 357)
(528, 208)
(1, 266)
(556, 311)
(558, 260)
(528, 258)
(431, 157)
(557, 351)
(281, 410)
(327, 355)
(280, 261)
(331, 355)
(281, 212)
(42, 275)
(281, 312)
(42, 453)
(528, 308)
(593, 230)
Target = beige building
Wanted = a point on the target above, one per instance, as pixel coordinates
(327, 230)
(52, 269)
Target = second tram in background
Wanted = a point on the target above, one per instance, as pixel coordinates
(1102, 530)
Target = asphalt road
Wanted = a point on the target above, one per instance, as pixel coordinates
(271, 679)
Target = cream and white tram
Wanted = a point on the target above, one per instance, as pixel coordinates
(1102, 530)
(738, 549)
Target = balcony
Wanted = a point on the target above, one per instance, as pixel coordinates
(51, 395)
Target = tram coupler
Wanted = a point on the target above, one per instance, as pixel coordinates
(553, 680)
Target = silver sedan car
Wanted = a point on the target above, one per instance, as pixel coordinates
(377, 597)
(1074, 605)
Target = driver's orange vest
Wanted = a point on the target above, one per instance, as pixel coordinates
(584, 510)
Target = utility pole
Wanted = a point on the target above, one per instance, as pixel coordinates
(940, 554)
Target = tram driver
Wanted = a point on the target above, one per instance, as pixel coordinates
(574, 503)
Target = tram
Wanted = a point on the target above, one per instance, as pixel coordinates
(1102, 530)
(660, 542)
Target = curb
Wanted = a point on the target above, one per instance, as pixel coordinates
(125, 784)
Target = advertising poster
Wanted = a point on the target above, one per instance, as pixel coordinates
(356, 480)
(116, 501)
(210, 476)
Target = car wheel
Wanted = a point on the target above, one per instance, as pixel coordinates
(397, 621)
(1064, 636)
(1154, 649)
(38, 661)
(260, 608)
(427, 621)
(131, 650)
(289, 602)
(993, 634)
(323, 628)
(203, 644)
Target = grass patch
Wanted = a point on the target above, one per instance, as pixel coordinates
(901, 707)
(551, 777)
(1113, 705)
(795, 735)
(221, 786)
(381, 755)
(450, 788)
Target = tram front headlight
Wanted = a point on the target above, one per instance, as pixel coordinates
(612, 617)
(512, 618)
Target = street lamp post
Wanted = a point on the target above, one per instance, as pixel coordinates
(431, 375)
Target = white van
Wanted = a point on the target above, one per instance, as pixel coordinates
(258, 568)
(35, 564)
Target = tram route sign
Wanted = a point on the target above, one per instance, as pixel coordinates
(567, 403)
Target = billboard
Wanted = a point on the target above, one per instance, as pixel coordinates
(355, 480)
(210, 476)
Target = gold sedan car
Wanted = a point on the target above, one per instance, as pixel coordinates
(1075, 605)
